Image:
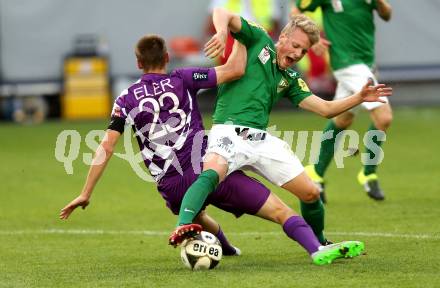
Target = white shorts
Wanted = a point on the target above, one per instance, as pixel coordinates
(351, 80)
(256, 150)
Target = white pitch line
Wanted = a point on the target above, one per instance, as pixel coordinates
(244, 234)
(387, 235)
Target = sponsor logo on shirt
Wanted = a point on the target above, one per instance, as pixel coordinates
(337, 6)
(264, 55)
(282, 85)
(292, 74)
(303, 85)
(200, 76)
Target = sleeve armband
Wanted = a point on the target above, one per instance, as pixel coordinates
(117, 124)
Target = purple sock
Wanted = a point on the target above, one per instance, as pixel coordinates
(297, 229)
(226, 246)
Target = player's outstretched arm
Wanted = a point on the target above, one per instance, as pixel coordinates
(321, 47)
(235, 67)
(102, 155)
(224, 21)
(330, 109)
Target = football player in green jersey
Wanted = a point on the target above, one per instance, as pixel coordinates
(238, 139)
(349, 26)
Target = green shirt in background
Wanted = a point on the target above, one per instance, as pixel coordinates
(249, 100)
(349, 26)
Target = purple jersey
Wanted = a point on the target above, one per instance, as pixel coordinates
(165, 117)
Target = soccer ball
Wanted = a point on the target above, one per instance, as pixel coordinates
(201, 252)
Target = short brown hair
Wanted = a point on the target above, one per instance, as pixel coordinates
(304, 23)
(151, 52)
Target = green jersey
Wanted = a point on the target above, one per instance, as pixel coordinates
(349, 26)
(249, 100)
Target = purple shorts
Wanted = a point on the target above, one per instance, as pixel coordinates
(238, 194)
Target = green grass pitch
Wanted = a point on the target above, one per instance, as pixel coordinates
(120, 240)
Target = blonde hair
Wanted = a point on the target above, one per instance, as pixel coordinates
(304, 23)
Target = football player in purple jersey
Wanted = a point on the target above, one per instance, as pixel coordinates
(163, 112)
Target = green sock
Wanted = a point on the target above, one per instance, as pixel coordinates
(327, 148)
(370, 169)
(313, 213)
(196, 195)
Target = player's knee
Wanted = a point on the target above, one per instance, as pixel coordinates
(344, 121)
(281, 214)
(384, 121)
(107, 148)
(217, 163)
(311, 194)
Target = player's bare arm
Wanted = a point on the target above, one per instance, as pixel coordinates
(102, 155)
(321, 47)
(224, 21)
(384, 10)
(330, 109)
(235, 67)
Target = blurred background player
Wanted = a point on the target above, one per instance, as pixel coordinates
(349, 26)
(238, 139)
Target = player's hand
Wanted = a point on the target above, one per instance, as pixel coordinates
(216, 45)
(371, 93)
(382, 1)
(81, 200)
(321, 47)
